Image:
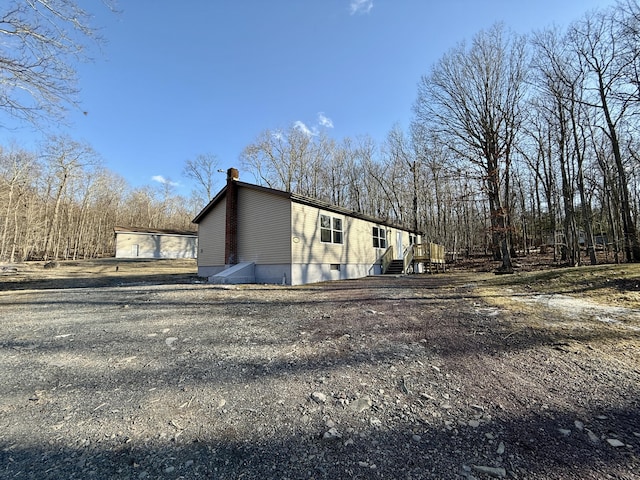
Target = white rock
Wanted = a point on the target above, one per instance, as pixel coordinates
(416, 438)
(361, 404)
(332, 434)
(614, 442)
(319, 397)
(564, 432)
(500, 449)
(592, 436)
(491, 471)
(579, 425)
(474, 423)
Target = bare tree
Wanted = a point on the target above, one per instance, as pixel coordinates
(606, 60)
(629, 37)
(473, 97)
(560, 85)
(401, 151)
(15, 175)
(41, 41)
(65, 158)
(539, 156)
(203, 169)
(360, 194)
(291, 160)
(275, 156)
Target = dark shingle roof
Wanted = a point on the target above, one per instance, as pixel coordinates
(157, 231)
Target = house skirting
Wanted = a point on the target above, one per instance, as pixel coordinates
(271, 274)
(301, 274)
(321, 272)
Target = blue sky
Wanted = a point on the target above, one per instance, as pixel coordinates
(208, 76)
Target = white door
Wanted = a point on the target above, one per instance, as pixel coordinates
(399, 246)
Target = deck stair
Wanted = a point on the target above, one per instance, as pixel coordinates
(396, 267)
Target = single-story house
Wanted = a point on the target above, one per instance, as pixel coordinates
(134, 242)
(253, 234)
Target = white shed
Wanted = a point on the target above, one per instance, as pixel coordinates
(133, 242)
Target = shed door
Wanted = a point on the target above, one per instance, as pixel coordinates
(135, 250)
(399, 246)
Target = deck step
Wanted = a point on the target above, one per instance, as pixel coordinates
(396, 267)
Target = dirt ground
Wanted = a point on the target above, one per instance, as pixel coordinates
(144, 371)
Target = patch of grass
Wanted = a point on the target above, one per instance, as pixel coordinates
(96, 272)
(606, 284)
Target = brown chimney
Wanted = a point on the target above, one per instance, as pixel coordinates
(231, 224)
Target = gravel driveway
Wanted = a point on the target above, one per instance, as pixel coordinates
(410, 378)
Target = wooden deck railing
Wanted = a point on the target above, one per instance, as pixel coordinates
(408, 258)
(387, 258)
(431, 254)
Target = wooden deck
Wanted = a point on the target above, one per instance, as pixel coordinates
(431, 254)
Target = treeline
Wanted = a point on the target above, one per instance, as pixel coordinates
(60, 203)
(516, 142)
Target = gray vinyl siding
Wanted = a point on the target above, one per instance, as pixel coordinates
(356, 249)
(264, 227)
(211, 232)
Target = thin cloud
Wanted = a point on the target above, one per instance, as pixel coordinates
(301, 127)
(360, 6)
(164, 181)
(324, 121)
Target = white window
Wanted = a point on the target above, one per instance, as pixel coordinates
(379, 237)
(331, 229)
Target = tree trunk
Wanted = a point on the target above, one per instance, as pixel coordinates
(3, 244)
(54, 218)
(631, 243)
(499, 223)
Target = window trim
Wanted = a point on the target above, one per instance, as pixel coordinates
(380, 240)
(336, 235)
